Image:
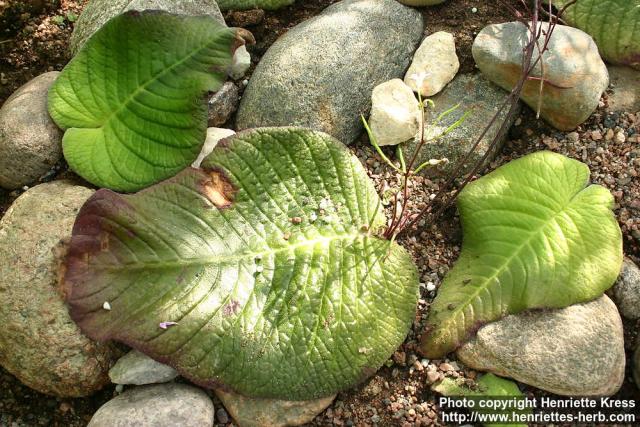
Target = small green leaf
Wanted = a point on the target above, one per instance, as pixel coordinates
(131, 101)
(613, 24)
(257, 273)
(58, 20)
(251, 4)
(492, 388)
(536, 235)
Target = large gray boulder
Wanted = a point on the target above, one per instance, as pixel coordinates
(574, 351)
(575, 74)
(30, 142)
(320, 74)
(40, 343)
(477, 96)
(160, 405)
(97, 12)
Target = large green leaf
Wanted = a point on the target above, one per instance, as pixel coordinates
(131, 101)
(268, 261)
(250, 4)
(613, 24)
(487, 391)
(536, 235)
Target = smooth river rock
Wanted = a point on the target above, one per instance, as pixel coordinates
(575, 74)
(627, 290)
(160, 405)
(40, 343)
(139, 369)
(574, 351)
(214, 135)
(97, 12)
(250, 412)
(434, 65)
(30, 142)
(320, 74)
(395, 113)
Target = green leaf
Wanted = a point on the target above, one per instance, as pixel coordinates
(488, 388)
(613, 24)
(536, 235)
(252, 4)
(265, 261)
(131, 101)
(58, 20)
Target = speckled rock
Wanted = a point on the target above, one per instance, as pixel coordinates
(627, 290)
(41, 345)
(395, 113)
(575, 73)
(160, 405)
(625, 82)
(248, 412)
(434, 64)
(320, 74)
(574, 351)
(30, 142)
(139, 369)
(223, 104)
(476, 95)
(97, 12)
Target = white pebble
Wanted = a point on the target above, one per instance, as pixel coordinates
(431, 286)
(106, 306)
(474, 9)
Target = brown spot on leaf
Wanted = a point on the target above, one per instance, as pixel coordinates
(230, 309)
(218, 189)
(104, 242)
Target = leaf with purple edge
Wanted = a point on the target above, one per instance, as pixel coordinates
(253, 291)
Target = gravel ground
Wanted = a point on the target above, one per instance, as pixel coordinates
(398, 395)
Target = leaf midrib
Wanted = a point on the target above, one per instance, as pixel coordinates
(217, 259)
(125, 103)
(486, 284)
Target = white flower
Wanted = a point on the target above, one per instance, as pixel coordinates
(419, 78)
